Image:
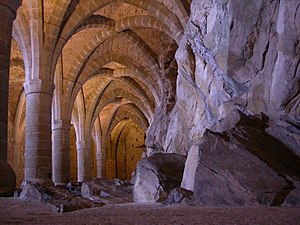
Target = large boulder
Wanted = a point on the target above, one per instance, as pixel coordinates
(156, 176)
(243, 166)
(107, 191)
(7, 180)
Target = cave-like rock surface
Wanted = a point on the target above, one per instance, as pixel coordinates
(237, 57)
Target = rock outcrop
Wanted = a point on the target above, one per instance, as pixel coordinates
(156, 176)
(7, 180)
(242, 166)
(237, 56)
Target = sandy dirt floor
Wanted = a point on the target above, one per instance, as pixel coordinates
(16, 211)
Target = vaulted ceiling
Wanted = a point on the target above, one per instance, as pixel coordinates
(108, 58)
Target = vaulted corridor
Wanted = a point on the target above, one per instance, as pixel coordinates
(106, 64)
(190, 102)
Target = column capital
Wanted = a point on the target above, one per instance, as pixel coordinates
(61, 124)
(38, 86)
(12, 5)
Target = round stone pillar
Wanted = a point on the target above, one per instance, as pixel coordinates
(100, 155)
(100, 158)
(8, 10)
(84, 151)
(38, 130)
(61, 152)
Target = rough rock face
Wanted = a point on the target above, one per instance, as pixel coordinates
(107, 191)
(7, 180)
(236, 55)
(156, 176)
(243, 166)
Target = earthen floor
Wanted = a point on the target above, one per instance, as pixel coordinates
(16, 211)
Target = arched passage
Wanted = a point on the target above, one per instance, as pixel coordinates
(125, 147)
(68, 43)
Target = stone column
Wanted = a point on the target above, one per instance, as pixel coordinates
(100, 164)
(8, 10)
(84, 151)
(38, 130)
(61, 151)
(100, 155)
